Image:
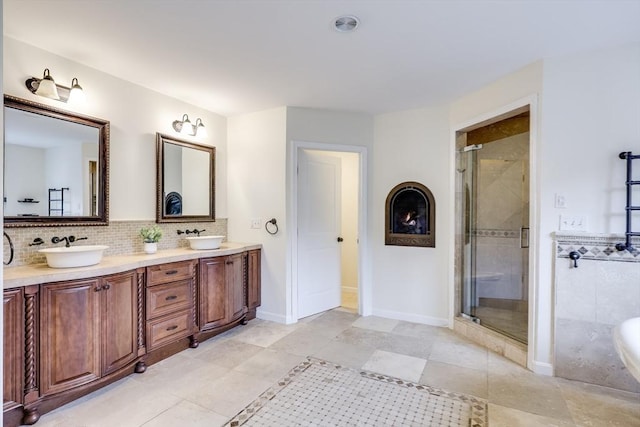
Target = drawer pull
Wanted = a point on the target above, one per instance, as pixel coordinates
(171, 272)
(171, 328)
(107, 286)
(229, 262)
(98, 289)
(171, 297)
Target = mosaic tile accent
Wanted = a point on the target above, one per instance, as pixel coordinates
(122, 237)
(505, 234)
(600, 247)
(320, 393)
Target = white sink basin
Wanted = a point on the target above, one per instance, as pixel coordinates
(205, 242)
(74, 256)
(626, 338)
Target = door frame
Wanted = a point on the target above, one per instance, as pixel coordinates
(364, 283)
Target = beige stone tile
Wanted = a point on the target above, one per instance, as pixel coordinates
(528, 392)
(500, 416)
(417, 330)
(455, 378)
(228, 353)
(229, 394)
(265, 334)
(592, 405)
(409, 346)
(375, 323)
(396, 365)
(345, 354)
(187, 414)
(459, 351)
(269, 364)
(302, 342)
(128, 403)
(330, 324)
(362, 337)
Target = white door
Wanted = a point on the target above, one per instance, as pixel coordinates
(319, 182)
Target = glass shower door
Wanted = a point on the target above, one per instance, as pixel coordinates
(495, 223)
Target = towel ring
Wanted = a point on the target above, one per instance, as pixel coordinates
(11, 251)
(273, 222)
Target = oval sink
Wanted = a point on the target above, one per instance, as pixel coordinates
(205, 242)
(74, 256)
(626, 339)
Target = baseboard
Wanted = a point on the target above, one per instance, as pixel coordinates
(542, 368)
(409, 317)
(272, 317)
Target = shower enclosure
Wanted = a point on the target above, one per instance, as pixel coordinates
(493, 224)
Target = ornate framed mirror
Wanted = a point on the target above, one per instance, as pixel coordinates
(56, 166)
(185, 181)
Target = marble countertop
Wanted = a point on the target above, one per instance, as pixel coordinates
(34, 274)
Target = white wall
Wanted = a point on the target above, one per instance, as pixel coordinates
(257, 182)
(135, 113)
(411, 283)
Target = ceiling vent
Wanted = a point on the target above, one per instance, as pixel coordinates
(346, 23)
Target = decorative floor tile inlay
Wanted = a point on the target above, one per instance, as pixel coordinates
(320, 393)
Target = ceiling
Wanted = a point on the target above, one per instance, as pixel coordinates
(238, 56)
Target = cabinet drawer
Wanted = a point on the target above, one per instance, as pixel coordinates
(169, 297)
(170, 328)
(164, 273)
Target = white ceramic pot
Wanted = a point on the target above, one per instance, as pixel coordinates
(150, 248)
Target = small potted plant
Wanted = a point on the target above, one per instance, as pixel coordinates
(151, 236)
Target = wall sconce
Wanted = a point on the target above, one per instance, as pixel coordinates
(48, 88)
(185, 127)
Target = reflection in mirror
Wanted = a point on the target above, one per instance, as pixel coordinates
(55, 166)
(186, 181)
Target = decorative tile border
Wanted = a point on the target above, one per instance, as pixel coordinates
(478, 407)
(491, 232)
(600, 247)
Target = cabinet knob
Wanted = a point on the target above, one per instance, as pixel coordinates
(98, 289)
(107, 286)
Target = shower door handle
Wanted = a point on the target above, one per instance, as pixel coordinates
(524, 237)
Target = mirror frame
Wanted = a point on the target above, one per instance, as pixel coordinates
(160, 215)
(103, 127)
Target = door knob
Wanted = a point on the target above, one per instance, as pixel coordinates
(340, 239)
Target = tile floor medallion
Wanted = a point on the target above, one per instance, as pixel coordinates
(325, 394)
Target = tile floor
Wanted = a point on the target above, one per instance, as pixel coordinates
(209, 385)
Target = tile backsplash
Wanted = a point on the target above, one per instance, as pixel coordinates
(122, 237)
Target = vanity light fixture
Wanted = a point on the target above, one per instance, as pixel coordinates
(185, 127)
(48, 88)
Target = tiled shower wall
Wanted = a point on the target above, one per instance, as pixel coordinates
(122, 237)
(589, 302)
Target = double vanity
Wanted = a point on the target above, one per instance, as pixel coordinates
(71, 331)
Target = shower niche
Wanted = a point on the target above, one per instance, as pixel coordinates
(410, 216)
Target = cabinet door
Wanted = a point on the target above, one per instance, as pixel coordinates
(213, 293)
(13, 351)
(253, 291)
(70, 335)
(119, 317)
(234, 270)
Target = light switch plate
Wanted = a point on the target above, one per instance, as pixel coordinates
(560, 201)
(573, 223)
(256, 223)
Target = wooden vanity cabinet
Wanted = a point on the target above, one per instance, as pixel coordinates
(253, 282)
(13, 350)
(170, 303)
(88, 329)
(221, 291)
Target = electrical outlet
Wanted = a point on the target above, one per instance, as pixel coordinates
(256, 223)
(560, 201)
(573, 223)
